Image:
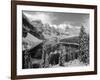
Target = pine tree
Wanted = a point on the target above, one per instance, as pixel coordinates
(83, 46)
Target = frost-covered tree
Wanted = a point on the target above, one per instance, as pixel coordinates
(62, 53)
(83, 46)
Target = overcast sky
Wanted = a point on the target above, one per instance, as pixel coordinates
(58, 19)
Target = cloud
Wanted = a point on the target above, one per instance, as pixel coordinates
(62, 26)
(72, 30)
(54, 25)
(44, 17)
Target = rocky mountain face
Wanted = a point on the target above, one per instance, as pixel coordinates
(47, 30)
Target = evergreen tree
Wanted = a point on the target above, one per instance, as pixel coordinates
(83, 46)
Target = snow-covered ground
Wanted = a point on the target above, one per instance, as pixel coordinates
(72, 63)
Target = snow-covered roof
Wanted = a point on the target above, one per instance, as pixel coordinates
(31, 40)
